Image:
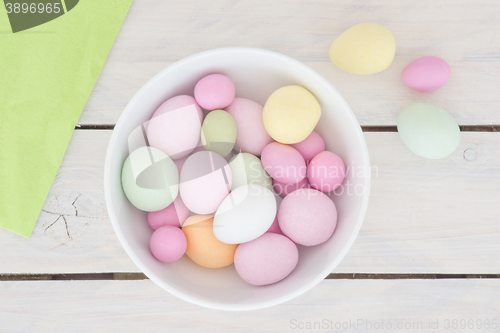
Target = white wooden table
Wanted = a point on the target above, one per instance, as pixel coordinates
(429, 250)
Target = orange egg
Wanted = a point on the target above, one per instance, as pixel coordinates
(202, 246)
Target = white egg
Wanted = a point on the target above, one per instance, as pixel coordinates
(245, 214)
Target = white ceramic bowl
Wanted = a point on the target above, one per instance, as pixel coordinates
(256, 74)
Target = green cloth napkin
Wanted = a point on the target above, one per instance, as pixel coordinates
(47, 73)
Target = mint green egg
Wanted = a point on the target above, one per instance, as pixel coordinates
(218, 132)
(428, 130)
(247, 169)
(150, 179)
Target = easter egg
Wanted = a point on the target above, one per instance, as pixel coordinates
(150, 179)
(175, 214)
(245, 214)
(214, 91)
(218, 132)
(175, 126)
(252, 135)
(168, 243)
(266, 260)
(203, 247)
(284, 163)
(284, 189)
(307, 216)
(290, 114)
(428, 130)
(310, 146)
(365, 48)
(326, 171)
(205, 181)
(247, 169)
(275, 227)
(426, 74)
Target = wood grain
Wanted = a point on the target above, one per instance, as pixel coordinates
(358, 305)
(463, 32)
(424, 216)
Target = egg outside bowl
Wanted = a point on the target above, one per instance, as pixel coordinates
(256, 74)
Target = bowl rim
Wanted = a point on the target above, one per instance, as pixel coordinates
(220, 305)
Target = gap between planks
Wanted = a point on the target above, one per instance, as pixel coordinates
(332, 276)
(463, 128)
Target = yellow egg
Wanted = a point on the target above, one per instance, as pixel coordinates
(366, 48)
(202, 246)
(290, 114)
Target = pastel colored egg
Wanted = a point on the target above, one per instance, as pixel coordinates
(150, 179)
(284, 163)
(175, 126)
(326, 171)
(275, 227)
(308, 217)
(310, 146)
(245, 214)
(247, 169)
(252, 135)
(266, 260)
(205, 181)
(426, 74)
(168, 243)
(284, 189)
(290, 114)
(365, 48)
(202, 246)
(214, 91)
(428, 130)
(175, 214)
(218, 132)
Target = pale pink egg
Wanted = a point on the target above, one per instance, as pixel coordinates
(283, 163)
(252, 135)
(326, 171)
(175, 126)
(426, 74)
(310, 146)
(168, 243)
(266, 260)
(214, 92)
(175, 214)
(308, 217)
(205, 181)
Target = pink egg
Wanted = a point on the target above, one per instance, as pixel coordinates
(266, 260)
(252, 135)
(283, 163)
(175, 214)
(284, 189)
(214, 92)
(205, 181)
(175, 126)
(326, 171)
(426, 74)
(275, 227)
(310, 146)
(168, 243)
(307, 216)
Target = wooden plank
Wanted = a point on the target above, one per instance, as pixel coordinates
(157, 33)
(424, 216)
(357, 305)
